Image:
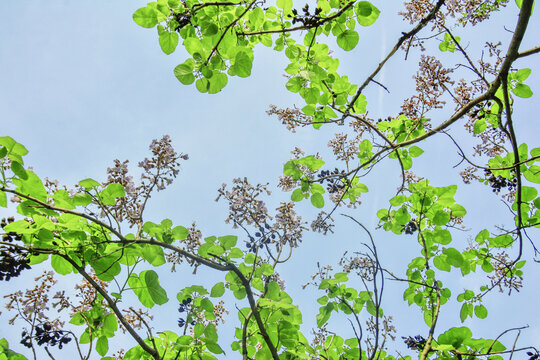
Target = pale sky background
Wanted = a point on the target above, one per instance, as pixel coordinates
(81, 85)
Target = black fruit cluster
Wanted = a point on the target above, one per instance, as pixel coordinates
(44, 335)
(333, 184)
(533, 356)
(262, 237)
(182, 20)
(185, 306)
(416, 343)
(9, 237)
(409, 228)
(12, 260)
(307, 19)
(499, 182)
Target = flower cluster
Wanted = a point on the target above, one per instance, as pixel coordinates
(289, 224)
(492, 138)
(45, 335)
(463, 11)
(190, 244)
(503, 276)
(136, 318)
(291, 118)
(384, 328)
(244, 204)
(432, 80)
(323, 223)
(363, 265)
(344, 149)
(322, 273)
(158, 172)
(32, 306)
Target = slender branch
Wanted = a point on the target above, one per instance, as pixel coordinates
(214, 49)
(398, 44)
(112, 304)
(303, 27)
(532, 51)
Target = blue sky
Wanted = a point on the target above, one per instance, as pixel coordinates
(81, 84)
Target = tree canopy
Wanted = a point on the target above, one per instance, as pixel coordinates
(99, 230)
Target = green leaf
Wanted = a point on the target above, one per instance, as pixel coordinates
(82, 199)
(61, 265)
(415, 151)
(286, 5)
(217, 83)
(522, 74)
(398, 200)
(153, 254)
(528, 193)
(202, 85)
(348, 39)
(88, 183)
(440, 263)
(294, 84)
(213, 348)
(454, 257)
(168, 41)
(3, 199)
(210, 333)
(111, 192)
(522, 90)
(442, 237)
(480, 125)
(209, 28)
(533, 174)
(102, 345)
(441, 218)
(456, 336)
(217, 290)
(18, 170)
(110, 325)
(242, 65)
(146, 17)
(311, 162)
(157, 293)
(366, 13)
(480, 311)
(317, 200)
(184, 73)
(180, 233)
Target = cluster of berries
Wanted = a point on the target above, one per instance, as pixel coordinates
(387, 119)
(185, 306)
(307, 19)
(180, 20)
(409, 228)
(12, 260)
(499, 182)
(416, 343)
(262, 237)
(46, 336)
(9, 236)
(334, 184)
(533, 356)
